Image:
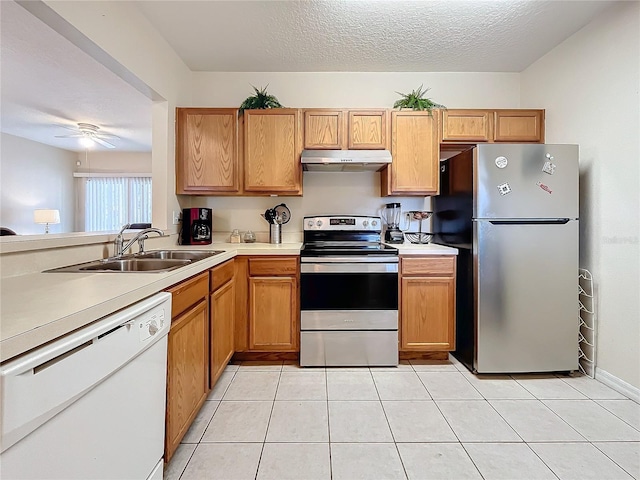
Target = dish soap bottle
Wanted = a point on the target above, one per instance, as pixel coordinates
(235, 236)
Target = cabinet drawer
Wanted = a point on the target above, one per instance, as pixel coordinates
(273, 266)
(188, 293)
(428, 266)
(221, 274)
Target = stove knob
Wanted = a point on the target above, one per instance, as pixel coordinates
(374, 223)
(310, 223)
(365, 223)
(319, 223)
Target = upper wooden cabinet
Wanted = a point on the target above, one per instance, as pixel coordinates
(324, 129)
(272, 143)
(332, 129)
(415, 151)
(207, 151)
(518, 126)
(367, 129)
(466, 125)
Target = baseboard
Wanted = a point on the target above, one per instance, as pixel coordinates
(618, 385)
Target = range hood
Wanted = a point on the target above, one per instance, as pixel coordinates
(345, 160)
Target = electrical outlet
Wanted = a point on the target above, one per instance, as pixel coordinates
(176, 217)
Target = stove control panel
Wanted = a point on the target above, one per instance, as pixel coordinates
(343, 223)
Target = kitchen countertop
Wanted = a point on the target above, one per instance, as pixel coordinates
(39, 307)
(423, 249)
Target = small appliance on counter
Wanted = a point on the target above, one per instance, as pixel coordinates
(391, 217)
(196, 226)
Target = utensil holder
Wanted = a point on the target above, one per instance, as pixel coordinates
(275, 233)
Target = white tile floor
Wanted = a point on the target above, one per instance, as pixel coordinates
(422, 420)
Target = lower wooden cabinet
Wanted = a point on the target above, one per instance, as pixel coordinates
(187, 359)
(273, 313)
(267, 311)
(222, 305)
(427, 303)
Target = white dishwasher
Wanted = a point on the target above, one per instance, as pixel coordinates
(90, 405)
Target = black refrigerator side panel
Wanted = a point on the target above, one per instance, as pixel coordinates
(465, 309)
(453, 208)
(453, 226)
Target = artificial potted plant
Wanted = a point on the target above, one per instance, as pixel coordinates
(416, 101)
(261, 100)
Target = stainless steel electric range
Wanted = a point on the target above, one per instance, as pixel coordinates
(348, 293)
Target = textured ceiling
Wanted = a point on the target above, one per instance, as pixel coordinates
(49, 84)
(358, 35)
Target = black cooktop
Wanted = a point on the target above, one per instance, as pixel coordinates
(325, 249)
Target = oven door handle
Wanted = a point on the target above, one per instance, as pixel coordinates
(348, 268)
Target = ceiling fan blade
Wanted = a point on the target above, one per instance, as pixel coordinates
(106, 135)
(75, 135)
(104, 143)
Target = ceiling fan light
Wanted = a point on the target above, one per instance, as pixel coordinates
(86, 142)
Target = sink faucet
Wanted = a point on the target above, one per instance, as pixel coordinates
(120, 247)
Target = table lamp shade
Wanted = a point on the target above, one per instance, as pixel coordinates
(46, 216)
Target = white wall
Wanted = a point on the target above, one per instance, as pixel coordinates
(357, 89)
(334, 193)
(143, 58)
(589, 88)
(114, 162)
(34, 175)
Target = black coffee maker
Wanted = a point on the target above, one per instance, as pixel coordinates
(196, 226)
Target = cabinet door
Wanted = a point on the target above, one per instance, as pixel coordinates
(222, 314)
(272, 151)
(519, 126)
(187, 372)
(367, 130)
(324, 129)
(466, 125)
(207, 150)
(415, 151)
(273, 313)
(428, 309)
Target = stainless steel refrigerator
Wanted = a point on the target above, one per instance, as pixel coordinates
(512, 211)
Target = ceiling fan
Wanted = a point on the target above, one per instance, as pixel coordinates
(88, 133)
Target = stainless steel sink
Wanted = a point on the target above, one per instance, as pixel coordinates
(193, 255)
(154, 261)
(137, 265)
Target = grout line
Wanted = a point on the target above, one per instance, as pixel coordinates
(186, 464)
(606, 455)
(395, 443)
(614, 413)
(266, 432)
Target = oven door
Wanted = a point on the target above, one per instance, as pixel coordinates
(348, 285)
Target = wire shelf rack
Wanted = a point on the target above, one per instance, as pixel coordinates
(587, 318)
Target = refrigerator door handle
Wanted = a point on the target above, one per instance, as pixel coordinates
(555, 221)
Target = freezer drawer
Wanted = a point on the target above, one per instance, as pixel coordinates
(527, 298)
(360, 348)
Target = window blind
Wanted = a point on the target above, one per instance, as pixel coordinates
(111, 202)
